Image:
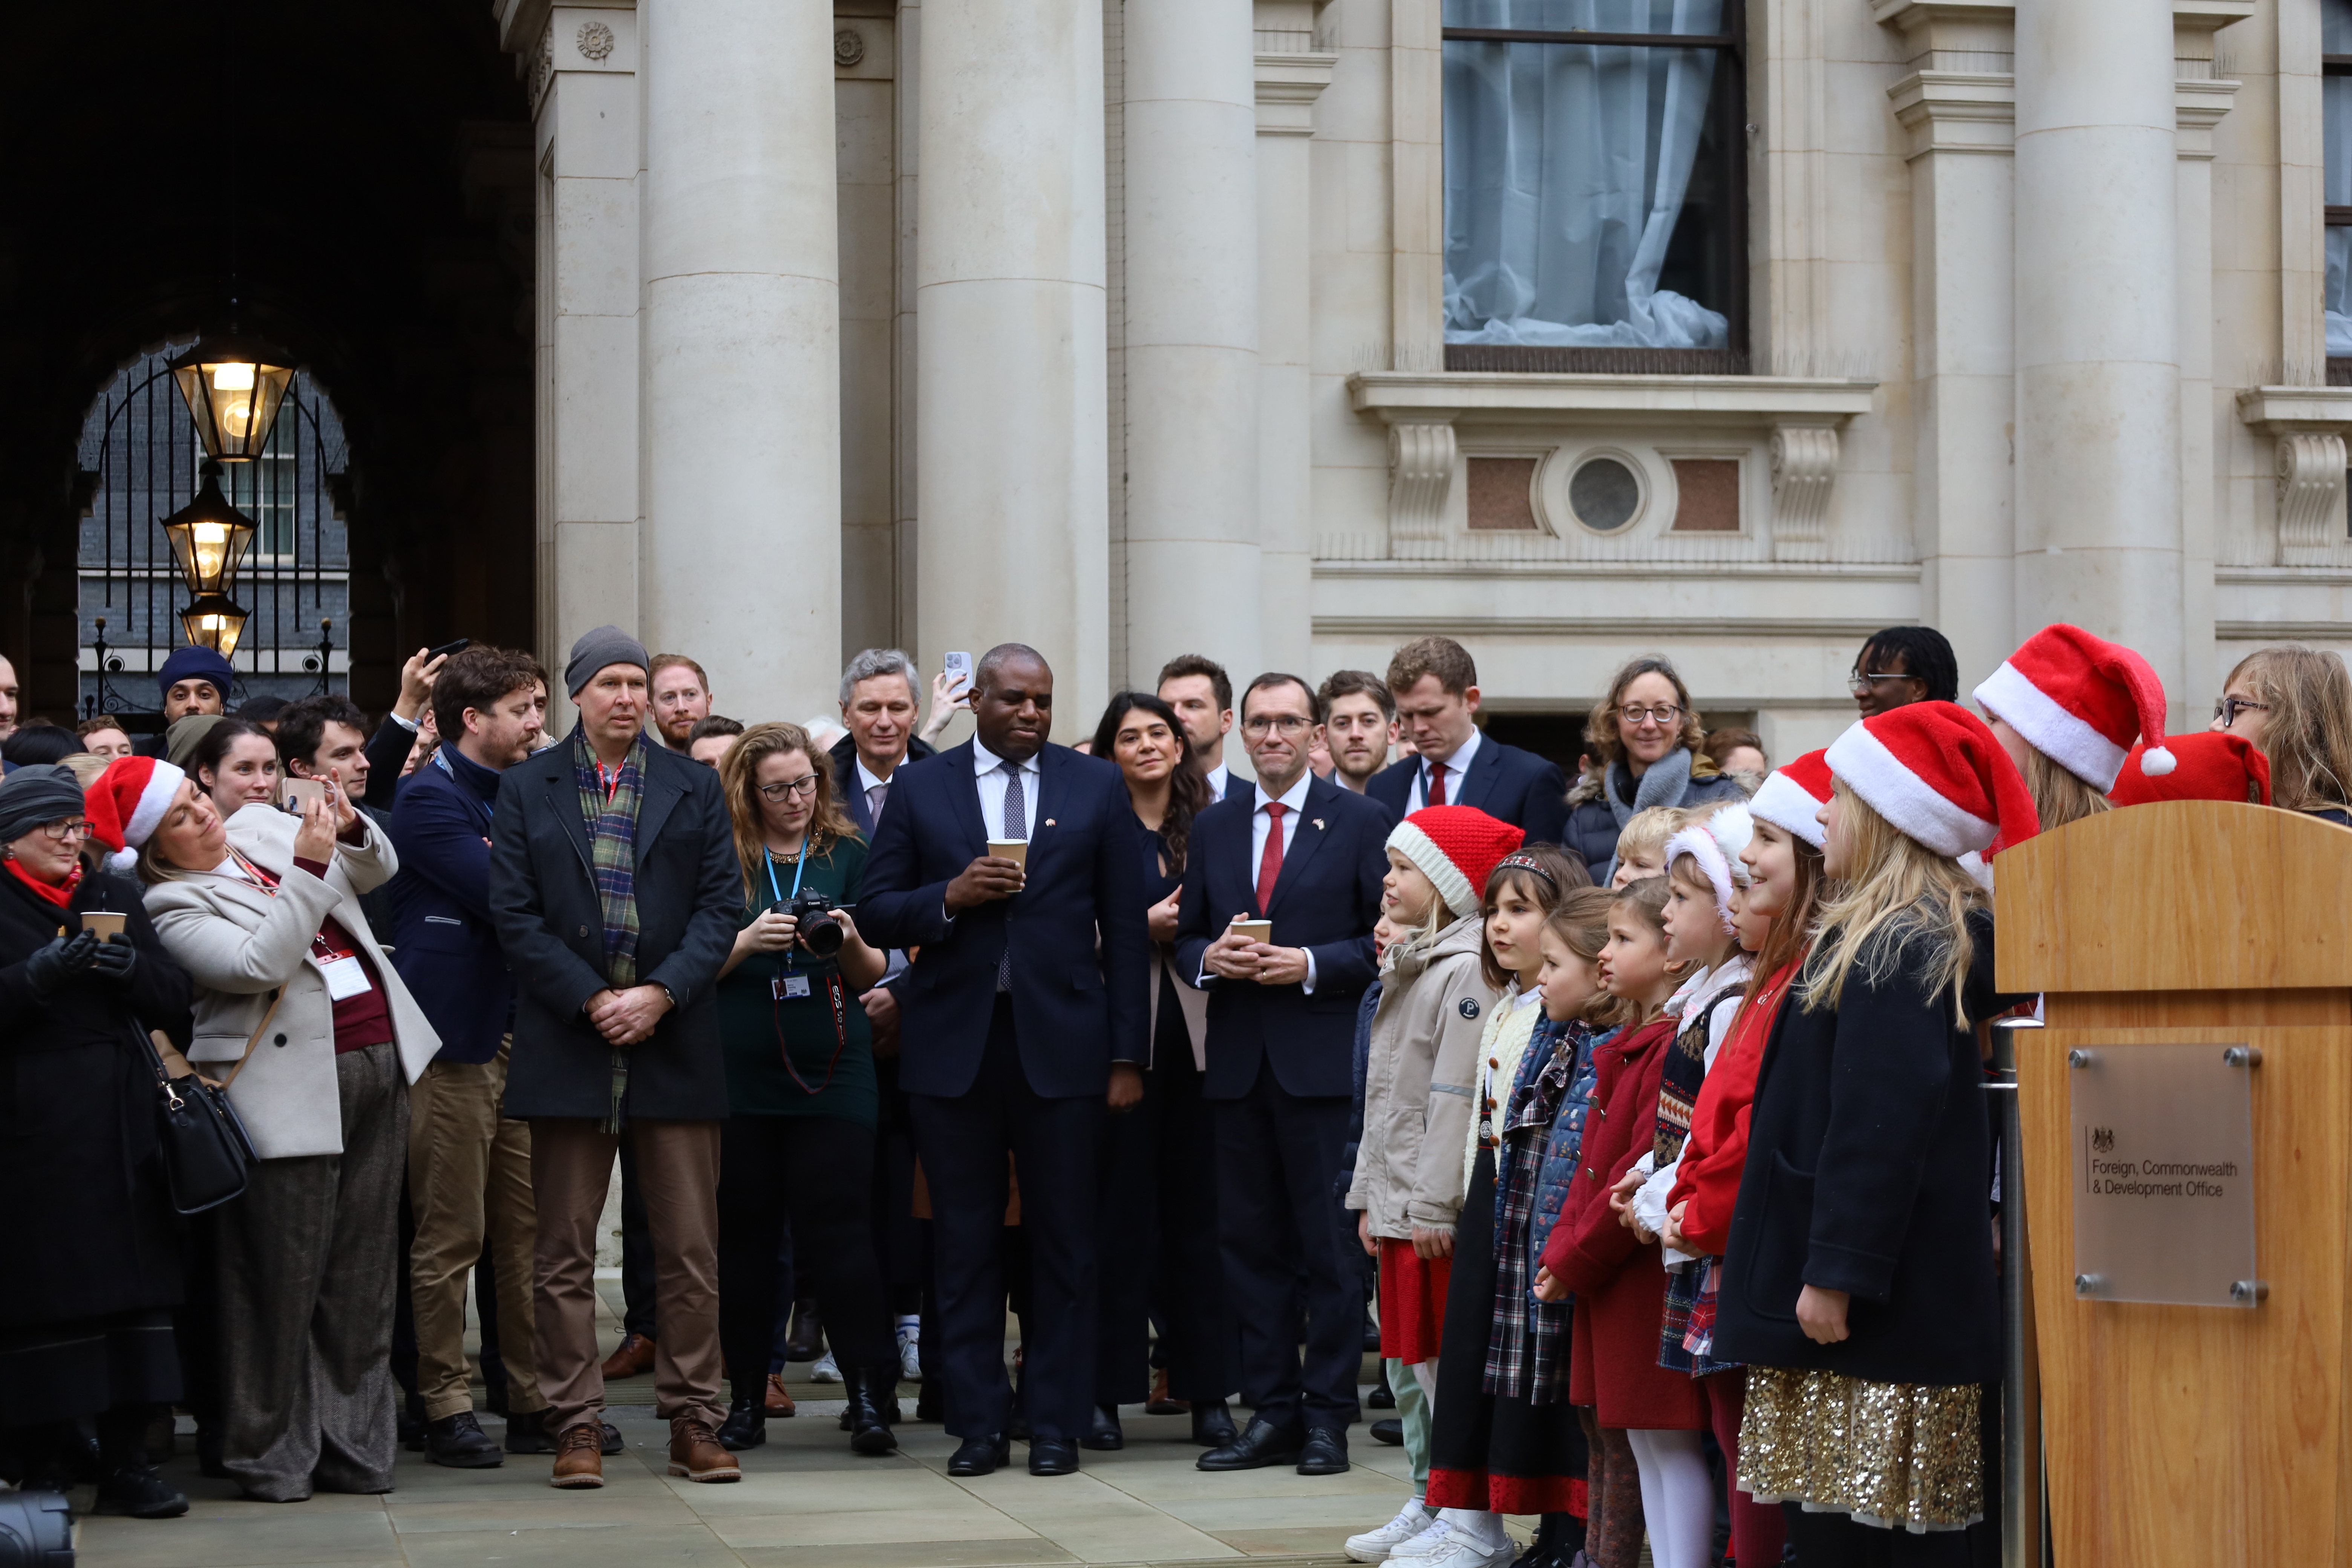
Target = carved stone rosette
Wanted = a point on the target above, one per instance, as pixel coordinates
(1421, 473)
(1804, 468)
(2310, 471)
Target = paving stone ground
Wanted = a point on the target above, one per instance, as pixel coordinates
(804, 1499)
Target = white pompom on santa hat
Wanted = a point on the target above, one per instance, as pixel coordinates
(1938, 774)
(1792, 797)
(127, 802)
(2081, 700)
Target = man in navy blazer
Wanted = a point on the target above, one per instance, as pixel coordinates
(1308, 856)
(1024, 1011)
(468, 1169)
(1436, 687)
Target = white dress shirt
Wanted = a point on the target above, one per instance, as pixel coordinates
(1219, 777)
(1261, 823)
(987, 774)
(1456, 766)
(867, 784)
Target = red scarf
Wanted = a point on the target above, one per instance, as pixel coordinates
(60, 893)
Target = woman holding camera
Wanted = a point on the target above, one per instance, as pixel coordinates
(85, 1323)
(297, 1007)
(800, 1086)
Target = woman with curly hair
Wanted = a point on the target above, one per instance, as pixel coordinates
(1642, 749)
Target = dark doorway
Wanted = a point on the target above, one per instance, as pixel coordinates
(358, 180)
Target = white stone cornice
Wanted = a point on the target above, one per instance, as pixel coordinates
(1957, 112)
(2199, 107)
(2309, 425)
(1287, 86)
(1402, 396)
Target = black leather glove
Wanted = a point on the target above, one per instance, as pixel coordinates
(114, 961)
(60, 961)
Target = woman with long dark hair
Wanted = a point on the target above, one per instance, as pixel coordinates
(1159, 1159)
(801, 1094)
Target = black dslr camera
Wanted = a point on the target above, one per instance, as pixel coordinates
(819, 931)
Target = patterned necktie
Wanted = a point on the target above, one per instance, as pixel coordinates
(1437, 784)
(1016, 825)
(874, 799)
(1269, 864)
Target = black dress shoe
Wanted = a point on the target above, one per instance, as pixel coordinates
(871, 1409)
(1213, 1424)
(1382, 1397)
(527, 1433)
(1052, 1457)
(804, 1340)
(612, 1439)
(137, 1491)
(1390, 1431)
(1265, 1443)
(1103, 1434)
(1326, 1453)
(459, 1442)
(980, 1456)
(746, 1425)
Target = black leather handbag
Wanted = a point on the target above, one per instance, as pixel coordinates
(207, 1151)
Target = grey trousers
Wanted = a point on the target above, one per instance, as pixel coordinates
(307, 1258)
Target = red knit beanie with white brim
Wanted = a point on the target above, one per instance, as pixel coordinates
(1938, 774)
(1456, 847)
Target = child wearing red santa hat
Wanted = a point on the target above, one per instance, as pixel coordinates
(1859, 1284)
(2067, 706)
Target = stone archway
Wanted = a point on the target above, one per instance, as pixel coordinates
(363, 175)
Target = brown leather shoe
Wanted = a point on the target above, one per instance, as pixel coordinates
(1160, 1403)
(633, 1358)
(695, 1453)
(579, 1456)
(779, 1402)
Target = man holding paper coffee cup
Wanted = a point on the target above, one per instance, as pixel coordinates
(1003, 860)
(1281, 887)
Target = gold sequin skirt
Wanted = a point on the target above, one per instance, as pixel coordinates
(1901, 1456)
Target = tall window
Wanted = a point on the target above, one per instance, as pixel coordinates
(1594, 208)
(2336, 119)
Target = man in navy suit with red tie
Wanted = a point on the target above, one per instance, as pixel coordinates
(1308, 856)
(1024, 1012)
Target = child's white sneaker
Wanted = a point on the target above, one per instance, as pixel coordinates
(826, 1369)
(1378, 1545)
(1424, 1550)
(1467, 1552)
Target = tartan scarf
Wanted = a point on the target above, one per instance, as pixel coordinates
(612, 818)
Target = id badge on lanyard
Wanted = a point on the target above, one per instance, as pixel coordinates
(788, 986)
(346, 975)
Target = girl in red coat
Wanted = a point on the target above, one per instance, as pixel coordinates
(1619, 1282)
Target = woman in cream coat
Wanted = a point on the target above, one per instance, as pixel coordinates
(263, 914)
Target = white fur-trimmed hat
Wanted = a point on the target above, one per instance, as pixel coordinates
(1714, 841)
(127, 802)
(2081, 701)
(1938, 776)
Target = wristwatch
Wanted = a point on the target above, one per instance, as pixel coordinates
(670, 994)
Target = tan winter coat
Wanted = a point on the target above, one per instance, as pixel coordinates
(1418, 1081)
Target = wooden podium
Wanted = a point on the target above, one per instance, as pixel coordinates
(2194, 1436)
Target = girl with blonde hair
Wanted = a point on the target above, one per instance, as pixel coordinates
(2295, 704)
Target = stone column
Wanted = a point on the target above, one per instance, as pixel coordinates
(2201, 102)
(1192, 340)
(1010, 367)
(2099, 325)
(739, 560)
(1287, 87)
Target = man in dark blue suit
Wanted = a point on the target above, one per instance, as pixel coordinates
(1024, 1012)
(1308, 856)
(468, 1169)
(1436, 687)
(1198, 688)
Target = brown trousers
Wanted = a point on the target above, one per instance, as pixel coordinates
(469, 1176)
(677, 1166)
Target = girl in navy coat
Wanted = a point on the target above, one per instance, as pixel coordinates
(1859, 1282)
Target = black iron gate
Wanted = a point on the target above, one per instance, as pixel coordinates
(140, 455)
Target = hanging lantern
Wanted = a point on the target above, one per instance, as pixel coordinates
(213, 621)
(233, 388)
(209, 537)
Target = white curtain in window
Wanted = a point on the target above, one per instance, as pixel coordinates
(1566, 166)
(2335, 102)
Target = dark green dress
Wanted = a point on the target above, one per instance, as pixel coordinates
(832, 1054)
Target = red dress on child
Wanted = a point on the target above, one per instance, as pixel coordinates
(1620, 1282)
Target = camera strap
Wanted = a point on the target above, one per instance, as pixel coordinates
(784, 964)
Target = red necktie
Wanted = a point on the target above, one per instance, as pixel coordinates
(1269, 865)
(1437, 784)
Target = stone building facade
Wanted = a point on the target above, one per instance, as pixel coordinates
(1281, 330)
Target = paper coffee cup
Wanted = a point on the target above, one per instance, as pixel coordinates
(106, 924)
(1254, 931)
(1015, 850)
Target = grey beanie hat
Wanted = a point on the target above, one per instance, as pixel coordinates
(594, 650)
(44, 792)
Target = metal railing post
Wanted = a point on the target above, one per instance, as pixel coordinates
(2021, 1383)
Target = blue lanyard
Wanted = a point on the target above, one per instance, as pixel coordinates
(798, 867)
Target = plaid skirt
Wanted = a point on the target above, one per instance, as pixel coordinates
(1687, 1332)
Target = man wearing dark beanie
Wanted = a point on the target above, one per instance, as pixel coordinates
(615, 890)
(193, 681)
